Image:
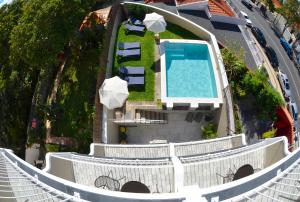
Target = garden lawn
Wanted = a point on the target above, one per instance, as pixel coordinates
(146, 92)
(176, 32)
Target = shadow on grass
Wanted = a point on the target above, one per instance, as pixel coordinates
(140, 34)
(155, 67)
(137, 88)
(125, 59)
(177, 31)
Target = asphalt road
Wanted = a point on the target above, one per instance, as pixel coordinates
(285, 64)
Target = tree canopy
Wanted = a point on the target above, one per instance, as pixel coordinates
(44, 29)
(290, 10)
(32, 34)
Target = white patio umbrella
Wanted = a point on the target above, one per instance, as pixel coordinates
(155, 23)
(113, 92)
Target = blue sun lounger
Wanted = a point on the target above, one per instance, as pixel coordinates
(131, 70)
(132, 80)
(129, 45)
(131, 53)
(135, 21)
(134, 28)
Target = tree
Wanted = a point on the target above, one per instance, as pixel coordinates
(235, 67)
(291, 12)
(32, 33)
(44, 29)
(270, 5)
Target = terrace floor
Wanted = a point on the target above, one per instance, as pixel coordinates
(176, 130)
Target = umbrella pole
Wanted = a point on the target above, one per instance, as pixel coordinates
(156, 37)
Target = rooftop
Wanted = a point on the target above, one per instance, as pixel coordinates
(183, 2)
(204, 170)
(217, 168)
(216, 7)
(220, 7)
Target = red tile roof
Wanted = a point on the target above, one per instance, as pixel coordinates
(217, 7)
(220, 7)
(277, 3)
(158, 1)
(182, 2)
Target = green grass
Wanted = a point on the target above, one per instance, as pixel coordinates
(146, 92)
(176, 32)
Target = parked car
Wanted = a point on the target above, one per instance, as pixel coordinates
(272, 56)
(248, 4)
(248, 21)
(293, 109)
(259, 36)
(284, 83)
(287, 47)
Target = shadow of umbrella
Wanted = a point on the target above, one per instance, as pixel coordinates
(243, 171)
(135, 187)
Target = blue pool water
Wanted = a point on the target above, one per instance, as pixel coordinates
(189, 71)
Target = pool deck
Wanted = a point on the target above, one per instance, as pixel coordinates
(177, 129)
(193, 102)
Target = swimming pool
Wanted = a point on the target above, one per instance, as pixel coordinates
(188, 73)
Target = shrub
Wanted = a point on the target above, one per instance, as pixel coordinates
(209, 131)
(269, 134)
(52, 147)
(237, 121)
(235, 68)
(245, 82)
(269, 100)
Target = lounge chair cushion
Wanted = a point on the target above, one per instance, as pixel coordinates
(134, 28)
(132, 80)
(135, 21)
(129, 45)
(132, 70)
(129, 53)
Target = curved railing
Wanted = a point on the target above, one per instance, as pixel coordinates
(220, 167)
(256, 184)
(259, 182)
(157, 175)
(167, 150)
(205, 170)
(77, 192)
